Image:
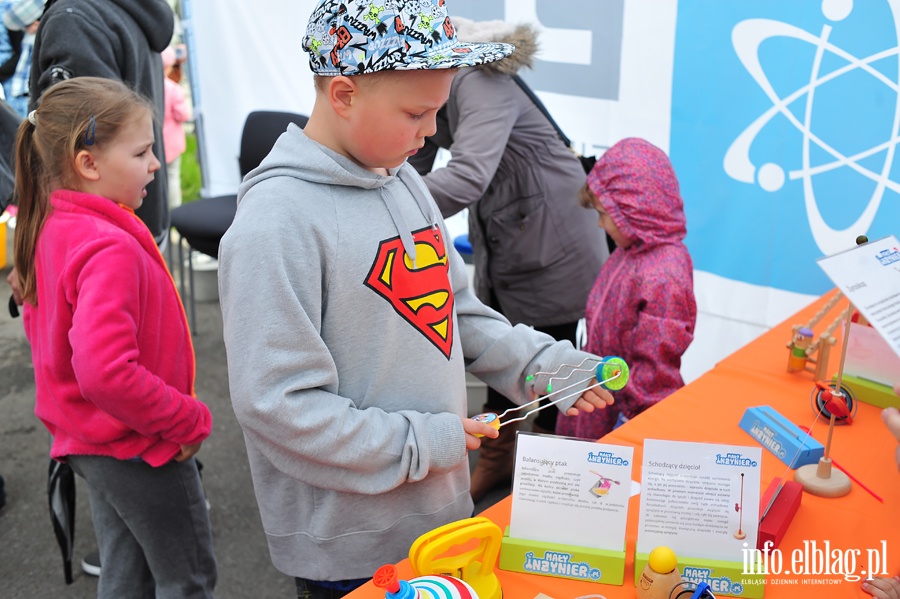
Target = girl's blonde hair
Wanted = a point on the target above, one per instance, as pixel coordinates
(84, 113)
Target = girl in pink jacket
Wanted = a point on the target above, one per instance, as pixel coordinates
(112, 353)
(642, 306)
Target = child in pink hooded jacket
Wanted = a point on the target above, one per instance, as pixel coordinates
(642, 306)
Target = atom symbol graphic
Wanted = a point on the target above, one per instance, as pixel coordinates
(747, 36)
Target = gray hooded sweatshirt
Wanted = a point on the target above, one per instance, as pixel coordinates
(349, 326)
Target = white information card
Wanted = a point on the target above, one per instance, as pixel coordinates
(869, 276)
(699, 499)
(571, 491)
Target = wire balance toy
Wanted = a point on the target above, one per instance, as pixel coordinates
(610, 372)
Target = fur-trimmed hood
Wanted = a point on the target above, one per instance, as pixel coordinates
(523, 36)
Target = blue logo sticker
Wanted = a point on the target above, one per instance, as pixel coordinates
(785, 125)
(606, 457)
(735, 459)
(888, 257)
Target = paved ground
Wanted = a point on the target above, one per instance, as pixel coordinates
(30, 562)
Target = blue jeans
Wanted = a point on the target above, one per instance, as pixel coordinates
(310, 589)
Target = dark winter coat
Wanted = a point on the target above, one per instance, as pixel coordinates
(115, 39)
(533, 245)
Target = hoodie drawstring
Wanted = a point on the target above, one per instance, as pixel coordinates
(418, 190)
(417, 184)
(409, 246)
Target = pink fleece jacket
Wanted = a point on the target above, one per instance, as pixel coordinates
(112, 352)
(642, 305)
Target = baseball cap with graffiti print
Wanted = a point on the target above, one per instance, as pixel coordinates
(354, 37)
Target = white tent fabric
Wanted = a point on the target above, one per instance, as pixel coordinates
(245, 56)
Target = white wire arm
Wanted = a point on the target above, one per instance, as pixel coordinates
(616, 374)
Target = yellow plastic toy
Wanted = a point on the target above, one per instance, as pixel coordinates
(432, 553)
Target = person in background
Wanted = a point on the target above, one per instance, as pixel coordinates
(116, 39)
(883, 588)
(113, 387)
(641, 307)
(24, 16)
(350, 342)
(536, 251)
(177, 112)
(10, 47)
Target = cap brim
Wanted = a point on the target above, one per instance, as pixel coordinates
(459, 55)
(452, 56)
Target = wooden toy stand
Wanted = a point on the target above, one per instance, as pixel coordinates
(821, 479)
(814, 356)
(724, 578)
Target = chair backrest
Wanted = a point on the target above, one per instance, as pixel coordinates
(261, 130)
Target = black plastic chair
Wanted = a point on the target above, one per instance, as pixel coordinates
(203, 222)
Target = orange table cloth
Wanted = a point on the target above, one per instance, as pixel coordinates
(708, 410)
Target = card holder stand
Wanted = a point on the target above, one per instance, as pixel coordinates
(585, 564)
(781, 437)
(871, 392)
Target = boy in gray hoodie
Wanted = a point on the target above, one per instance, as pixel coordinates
(348, 318)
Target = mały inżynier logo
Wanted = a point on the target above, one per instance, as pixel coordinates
(735, 459)
(768, 438)
(888, 257)
(607, 458)
(560, 564)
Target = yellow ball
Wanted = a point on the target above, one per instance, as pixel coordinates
(662, 560)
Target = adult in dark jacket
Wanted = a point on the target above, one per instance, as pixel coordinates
(116, 39)
(536, 251)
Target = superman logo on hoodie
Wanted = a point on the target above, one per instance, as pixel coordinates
(419, 292)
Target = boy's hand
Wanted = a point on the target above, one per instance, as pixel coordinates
(188, 451)
(883, 588)
(472, 428)
(596, 398)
